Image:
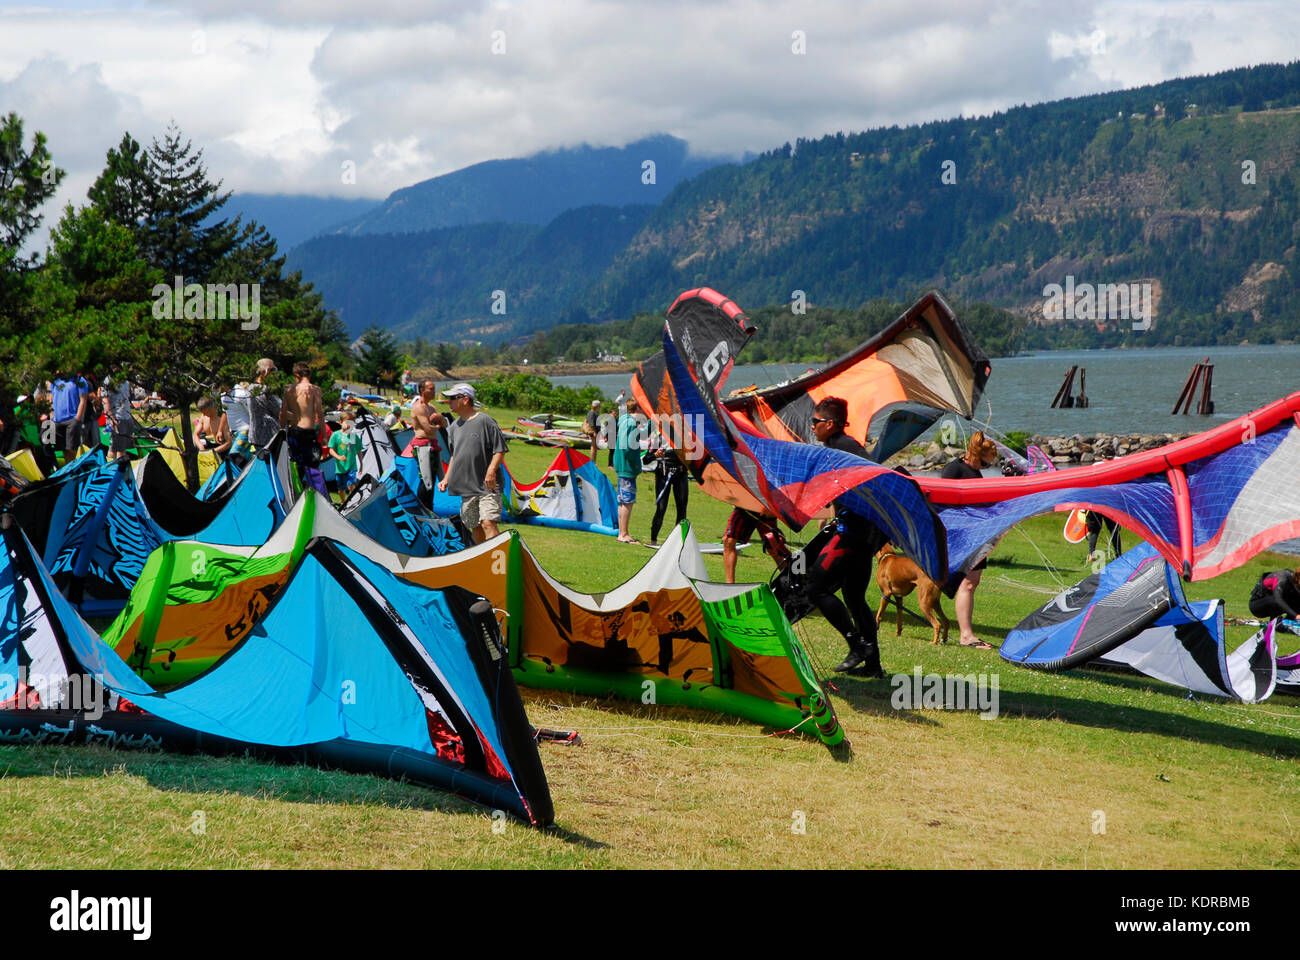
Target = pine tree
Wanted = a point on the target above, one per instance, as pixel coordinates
(123, 191)
(27, 180)
(175, 238)
(377, 358)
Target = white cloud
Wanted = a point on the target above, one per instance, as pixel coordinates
(280, 93)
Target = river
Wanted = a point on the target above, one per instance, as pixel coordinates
(1129, 391)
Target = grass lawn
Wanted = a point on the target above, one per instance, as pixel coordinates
(1081, 769)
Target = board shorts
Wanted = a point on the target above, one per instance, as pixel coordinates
(70, 431)
(474, 510)
(417, 442)
(742, 525)
(241, 450)
(304, 447)
(428, 460)
(121, 436)
(626, 490)
(346, 480)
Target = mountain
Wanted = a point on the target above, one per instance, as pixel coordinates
(440, 284)
(291, 218)
(1138, 185)
(1190, 186)
(536, 189)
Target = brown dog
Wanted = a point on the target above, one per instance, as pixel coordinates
(898, 576)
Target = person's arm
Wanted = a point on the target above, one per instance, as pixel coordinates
(490, 478)
(318, 407)
(442, 484)
(223, 435)
(284, 406)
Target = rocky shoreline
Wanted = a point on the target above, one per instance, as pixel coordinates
(1064, 451)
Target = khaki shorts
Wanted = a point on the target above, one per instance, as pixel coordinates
(474, 510)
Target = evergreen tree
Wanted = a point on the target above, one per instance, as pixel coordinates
(445, 356)
(175, 238)
(27, 179)
(378, 360)
(123, 191)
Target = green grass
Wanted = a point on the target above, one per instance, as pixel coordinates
(1180, 783)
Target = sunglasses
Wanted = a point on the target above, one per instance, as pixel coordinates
(817, 420)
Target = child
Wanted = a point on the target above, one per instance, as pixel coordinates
(345, 446)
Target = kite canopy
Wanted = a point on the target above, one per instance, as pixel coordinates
(922, 366)
(897, 384)
(1133, 613)
(1190, 652)
(1207, 504)
(1097, 614)
(348, 666)
(791, 480)
(390, 515)
(94, 527)
(571, 494)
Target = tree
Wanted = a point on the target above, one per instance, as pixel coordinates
(123, 191)
(189, 341)
(27, 180)
(96, 260)
(377, 358)
(165, 197)
(445, 356)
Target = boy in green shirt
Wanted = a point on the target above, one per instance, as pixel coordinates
(345, 447)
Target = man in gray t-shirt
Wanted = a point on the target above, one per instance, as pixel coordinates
(477, 447)
(117, 401)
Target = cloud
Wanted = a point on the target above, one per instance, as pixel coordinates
(282, 94)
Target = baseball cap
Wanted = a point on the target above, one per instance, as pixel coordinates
(460, 390)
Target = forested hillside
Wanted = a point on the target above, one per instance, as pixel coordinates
(1189, 186)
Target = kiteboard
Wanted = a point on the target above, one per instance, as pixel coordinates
(1076, 526)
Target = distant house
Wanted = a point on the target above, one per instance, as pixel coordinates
(612, 358)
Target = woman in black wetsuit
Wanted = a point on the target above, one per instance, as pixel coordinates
(980, 453)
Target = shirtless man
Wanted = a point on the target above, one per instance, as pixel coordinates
(303, 414)
(424, 446)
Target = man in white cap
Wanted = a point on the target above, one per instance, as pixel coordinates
(592, 425)
(477, 447)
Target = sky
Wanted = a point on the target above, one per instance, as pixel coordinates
(356, 98)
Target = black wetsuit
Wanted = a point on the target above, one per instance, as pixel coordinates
(669, 473)
(1093, 522)
(844, 563)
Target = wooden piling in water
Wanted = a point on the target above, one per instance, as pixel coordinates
(1201, 375)
(1063, 398)
(1207, 404)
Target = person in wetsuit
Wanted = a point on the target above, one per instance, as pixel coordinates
(844, 562)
